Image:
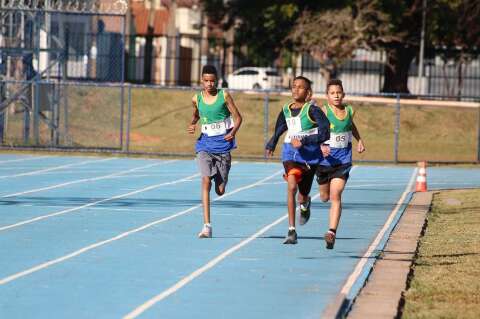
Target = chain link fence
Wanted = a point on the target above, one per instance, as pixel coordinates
(152, 120)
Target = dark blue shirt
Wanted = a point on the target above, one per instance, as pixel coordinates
(316, 114)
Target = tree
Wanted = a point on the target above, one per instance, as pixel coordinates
(455, 30)
(332, 36)
(331, 30)
(260, 26)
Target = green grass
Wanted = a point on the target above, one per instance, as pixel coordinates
(446, 277)
(160, 117)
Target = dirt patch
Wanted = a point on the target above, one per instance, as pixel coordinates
(138, 137)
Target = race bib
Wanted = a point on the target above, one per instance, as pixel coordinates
(217, 128)
(299, 135)
(294, 124)
(340, 140)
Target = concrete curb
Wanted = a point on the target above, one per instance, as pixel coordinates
(382, 293)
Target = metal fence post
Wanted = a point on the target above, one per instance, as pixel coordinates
(122, 113)
(36, 101)
(129, 119)
(26, 119)
(36, 113)
(123, 84)
(2, 114)
(265, 120)
(478, 136)
(397, 128)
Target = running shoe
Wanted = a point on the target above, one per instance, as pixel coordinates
(206, 232)
(329, 239)
(291, 238)
(304, 215)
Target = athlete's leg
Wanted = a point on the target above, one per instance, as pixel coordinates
(337, 185)
(304, 187)
(223, 164)
(323, 180)
(291, 192)
(206, 186)
(220, 189)
(324, 190)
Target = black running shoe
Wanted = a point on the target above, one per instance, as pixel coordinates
(291, 238)
(304, 215)
(329, 239)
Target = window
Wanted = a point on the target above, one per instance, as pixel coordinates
(272, 73)
(247, 72)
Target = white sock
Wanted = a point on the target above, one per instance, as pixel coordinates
(291, 228)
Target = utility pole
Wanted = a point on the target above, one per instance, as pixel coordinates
(173, 39)
(422, 40)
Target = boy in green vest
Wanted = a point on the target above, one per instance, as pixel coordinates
(333, 171)
(214, 108)
(307, 127)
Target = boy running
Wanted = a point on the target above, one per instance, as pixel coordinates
(214, 108)
(307, 127)
(333, 171)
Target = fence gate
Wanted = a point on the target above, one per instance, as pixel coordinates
(44, 46)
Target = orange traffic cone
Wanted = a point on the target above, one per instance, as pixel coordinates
(421, 185)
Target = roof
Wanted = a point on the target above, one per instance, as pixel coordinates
(140, 16)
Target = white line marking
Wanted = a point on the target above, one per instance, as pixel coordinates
(101, 208)
(47, 264)
(86, 180)
(212, 263)
(56, 168)
(358, 268)
(377, 184)
(62, 212)
(22, 159)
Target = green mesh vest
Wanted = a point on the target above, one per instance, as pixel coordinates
(340, 129)
(215, 112)
(300, 125)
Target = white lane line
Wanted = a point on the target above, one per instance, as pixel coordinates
(56, 168)
(184, 281)
(86, 180)
(22, 159)
(110, 209)
(363, 260)
(377, 184)
(49, 263)
(62, 212)
(212, 263)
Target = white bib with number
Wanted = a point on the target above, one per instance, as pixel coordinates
(217, 128)
(295, 130)
(340, 140)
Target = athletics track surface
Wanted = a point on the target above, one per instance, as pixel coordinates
(86, 237)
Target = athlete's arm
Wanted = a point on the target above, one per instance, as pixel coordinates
(237, 117)
(280, 128)
(195, 116)
(356, 134)
(323, 124)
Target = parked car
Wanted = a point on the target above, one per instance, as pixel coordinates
(254, 78)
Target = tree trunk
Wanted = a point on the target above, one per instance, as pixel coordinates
(399, 59)
(329, 72)
(460, 79)
(148, 58)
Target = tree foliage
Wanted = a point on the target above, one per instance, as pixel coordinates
(260, 26)
(331, 31)
(331, 36)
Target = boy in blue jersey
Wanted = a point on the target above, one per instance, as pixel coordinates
(333, 171)
(215, 109)
(307, 127)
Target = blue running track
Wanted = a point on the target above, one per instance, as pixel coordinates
(90, 237)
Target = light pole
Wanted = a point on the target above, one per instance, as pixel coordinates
(422, 41)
